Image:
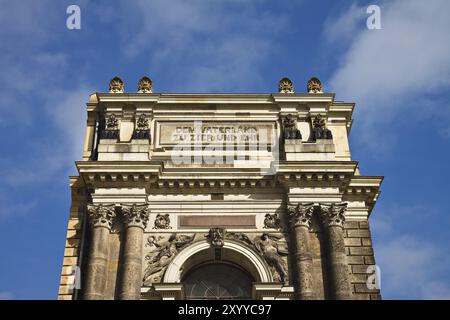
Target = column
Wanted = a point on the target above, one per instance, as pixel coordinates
(135, 219)
(301, 219)
(333, 217)
(101, 219)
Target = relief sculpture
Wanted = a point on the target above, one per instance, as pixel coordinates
(162, 251)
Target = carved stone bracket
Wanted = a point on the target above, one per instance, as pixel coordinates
(136, 215)
(101, 215)
(162, 221)
(334, 214)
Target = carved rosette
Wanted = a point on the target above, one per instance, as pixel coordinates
(136, 215)
(272, 221)
(314, 85)
(301, 214)
(216, 236)
(285, 86)
(162, 221)
(116, 85)
(145, 85)
(101, 215)
(334, 214)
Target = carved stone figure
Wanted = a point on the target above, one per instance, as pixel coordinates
(270, 248)
(145, 85)
(290, 130)
(216, 236)
(238, 236)
(111, 130)
(319, 129)
(162, 252)
(142, 130)
(112, 123)
(116, 85)
(314, 85)
(285, 86)
(271, 221)
(162, 221)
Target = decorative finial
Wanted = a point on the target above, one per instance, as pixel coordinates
(285, 86)
(314, 85)
(145, 85)
(116, 85)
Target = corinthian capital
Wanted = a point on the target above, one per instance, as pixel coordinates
(101, 215)
(136, 215)
(301, 214)
(334, 214)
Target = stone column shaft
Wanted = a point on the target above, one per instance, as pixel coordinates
(334, 220)
(301, 218)
(96, 272)
(136, 218)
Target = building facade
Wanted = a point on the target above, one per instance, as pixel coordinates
(219, 196)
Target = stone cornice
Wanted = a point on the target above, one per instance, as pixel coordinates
(208, 98)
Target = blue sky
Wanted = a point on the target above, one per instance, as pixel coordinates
(398, 76)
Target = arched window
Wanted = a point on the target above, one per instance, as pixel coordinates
(217, 281)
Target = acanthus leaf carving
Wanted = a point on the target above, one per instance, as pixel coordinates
(301, 214)
(334, 214)
(101, 215)
(136, 215)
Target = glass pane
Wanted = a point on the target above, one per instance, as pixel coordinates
(218, 281)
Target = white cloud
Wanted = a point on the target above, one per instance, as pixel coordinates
(388, 71)
(343, 28)
(411, 267)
